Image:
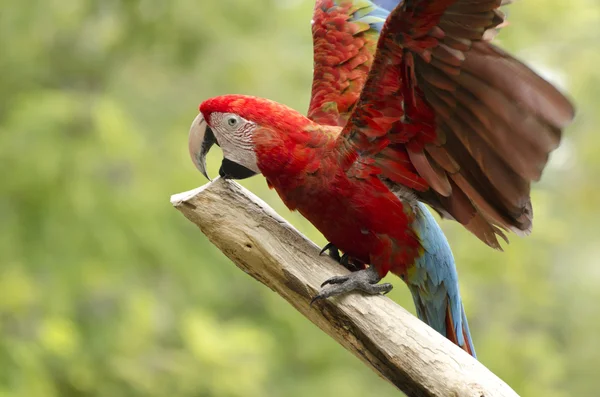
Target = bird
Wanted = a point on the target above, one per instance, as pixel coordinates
(412, 107)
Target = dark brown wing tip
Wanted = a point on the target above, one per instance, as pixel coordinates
(569, 112)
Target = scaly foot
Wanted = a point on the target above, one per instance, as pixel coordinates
(362, 280)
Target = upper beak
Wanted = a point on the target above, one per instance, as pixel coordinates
(201, 139)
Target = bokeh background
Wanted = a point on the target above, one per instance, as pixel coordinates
(105, 290)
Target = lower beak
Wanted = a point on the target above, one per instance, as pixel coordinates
(201, 139)
(232, 170)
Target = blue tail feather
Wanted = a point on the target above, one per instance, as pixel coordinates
(433, 282)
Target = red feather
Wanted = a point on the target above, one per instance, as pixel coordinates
(343, 52)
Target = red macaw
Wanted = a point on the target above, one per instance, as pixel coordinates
(408, 107)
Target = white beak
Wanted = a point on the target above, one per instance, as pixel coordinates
(201, 139)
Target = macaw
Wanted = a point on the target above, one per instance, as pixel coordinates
(411, 105)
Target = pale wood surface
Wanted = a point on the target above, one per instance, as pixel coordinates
(386, 337)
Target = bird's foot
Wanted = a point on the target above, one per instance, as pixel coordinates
(362, 280)
(344, 260)
(332, 250)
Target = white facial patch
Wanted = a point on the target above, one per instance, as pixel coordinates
(234, 135)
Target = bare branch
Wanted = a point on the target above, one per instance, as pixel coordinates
(386, 337)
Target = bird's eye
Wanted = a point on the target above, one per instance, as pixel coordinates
(232, 121)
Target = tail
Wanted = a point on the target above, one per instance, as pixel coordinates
(446, 315)
(433, 282)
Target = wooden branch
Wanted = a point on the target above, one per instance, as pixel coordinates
(386, 337)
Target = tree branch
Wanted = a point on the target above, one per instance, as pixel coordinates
(387, 338)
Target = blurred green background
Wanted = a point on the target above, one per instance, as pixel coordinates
(105, 290)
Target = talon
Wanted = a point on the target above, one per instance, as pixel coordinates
(329, 246)
(334, 253)
(344, 260)
(316, 298)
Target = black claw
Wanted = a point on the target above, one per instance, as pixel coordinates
(316, 298)
(329, 247)
(349, 264)
(345, 260)
(334, 253)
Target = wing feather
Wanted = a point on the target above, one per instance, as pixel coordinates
(476, 125)
(345, 34)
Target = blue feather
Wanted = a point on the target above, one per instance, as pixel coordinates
(375, 14)
(433, 281)
(387, 4)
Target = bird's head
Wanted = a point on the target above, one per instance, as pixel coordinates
(237, 123)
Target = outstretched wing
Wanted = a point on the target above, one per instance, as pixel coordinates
(345, 34)
(453, 118)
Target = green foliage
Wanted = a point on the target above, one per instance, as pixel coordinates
(105, 290)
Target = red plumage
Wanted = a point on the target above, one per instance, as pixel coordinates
(428, 111)
(300, 159)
